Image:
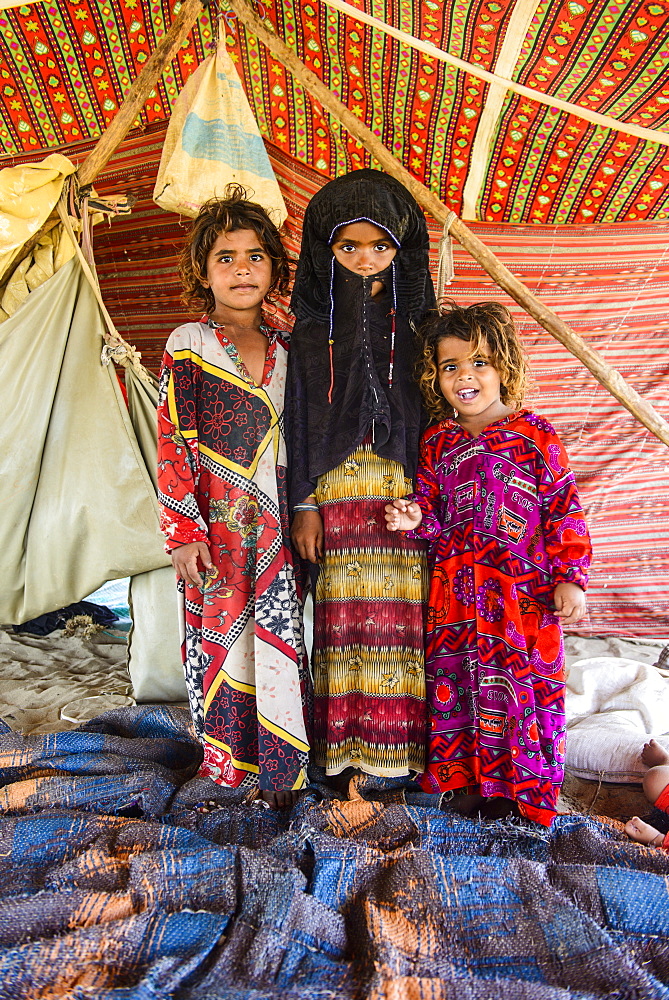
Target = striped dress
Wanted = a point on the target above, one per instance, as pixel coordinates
(369, 681)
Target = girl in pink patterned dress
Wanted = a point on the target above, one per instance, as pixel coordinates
(221, 462)
(509, 556)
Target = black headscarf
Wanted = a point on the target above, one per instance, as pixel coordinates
(349, 373)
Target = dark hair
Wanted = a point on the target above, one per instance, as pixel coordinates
(490, 329)
(226, 215)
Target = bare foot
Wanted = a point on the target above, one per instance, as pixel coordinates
(653, 754)
(643, 833)
(284, 799)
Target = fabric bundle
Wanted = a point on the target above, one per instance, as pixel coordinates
(213, 140)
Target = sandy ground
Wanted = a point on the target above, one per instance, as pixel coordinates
(45, 678)
(54, 683)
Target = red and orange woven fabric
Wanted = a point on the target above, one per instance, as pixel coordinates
(611, 285)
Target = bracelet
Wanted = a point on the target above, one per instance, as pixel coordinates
(306, 506)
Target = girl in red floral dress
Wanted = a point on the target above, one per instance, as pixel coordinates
(221, 477)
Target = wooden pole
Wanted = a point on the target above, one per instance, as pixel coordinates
(137, 96)
(133, 103)
(602, 371)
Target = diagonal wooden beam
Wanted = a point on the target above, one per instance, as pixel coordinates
(545, 317)
(133, 103)
(138, 94)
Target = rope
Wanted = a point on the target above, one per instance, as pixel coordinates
(115, 349)
(446, 268)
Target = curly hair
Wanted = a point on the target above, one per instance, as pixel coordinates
(489, 328)
(226, 215)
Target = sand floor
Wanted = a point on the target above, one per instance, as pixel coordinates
(44, 678)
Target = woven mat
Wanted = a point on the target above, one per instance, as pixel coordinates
(116, 884)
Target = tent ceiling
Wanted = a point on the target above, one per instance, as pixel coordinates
(489, 153)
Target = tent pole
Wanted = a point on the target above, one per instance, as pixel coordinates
(133, 103)
(134, 100)
(545, 317)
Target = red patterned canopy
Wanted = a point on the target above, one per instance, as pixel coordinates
(518, 166)
(489, 153)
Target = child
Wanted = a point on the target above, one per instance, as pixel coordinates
(509, 552)
(656, 789)
(221, 461)
(354, 416)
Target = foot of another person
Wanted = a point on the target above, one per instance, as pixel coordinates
(653, 754)
(643, 833)
(284, 799)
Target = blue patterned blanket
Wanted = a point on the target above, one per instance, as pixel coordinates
(115, 884)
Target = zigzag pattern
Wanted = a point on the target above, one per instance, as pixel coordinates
(494, 717)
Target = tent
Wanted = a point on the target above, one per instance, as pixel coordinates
(557, 155)
(121, 877)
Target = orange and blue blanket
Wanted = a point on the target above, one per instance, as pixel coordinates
(115, 883)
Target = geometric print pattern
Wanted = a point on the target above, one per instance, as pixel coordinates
(220, 446)
(65, 69)
(505, 527)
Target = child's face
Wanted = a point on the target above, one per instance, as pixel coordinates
(363, 248)
(471, 385)
(239, 272)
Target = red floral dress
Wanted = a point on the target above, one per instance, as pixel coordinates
(221, 479)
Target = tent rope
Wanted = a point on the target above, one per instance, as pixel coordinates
(115, 349)
(446, 267)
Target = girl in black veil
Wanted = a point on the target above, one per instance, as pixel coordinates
(353, 424)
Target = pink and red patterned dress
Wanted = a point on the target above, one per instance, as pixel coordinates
(505, 526)
(221, 479)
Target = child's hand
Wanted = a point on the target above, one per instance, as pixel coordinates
(569, 601)
(403, 515)
(185, 561)
(307, 534)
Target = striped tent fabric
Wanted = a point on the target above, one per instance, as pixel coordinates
(491, 153)
(610, 283)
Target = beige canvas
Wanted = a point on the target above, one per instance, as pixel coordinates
(154, 653)
(212, 140)
(28, 194)
(142, 402)
(78, 506)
